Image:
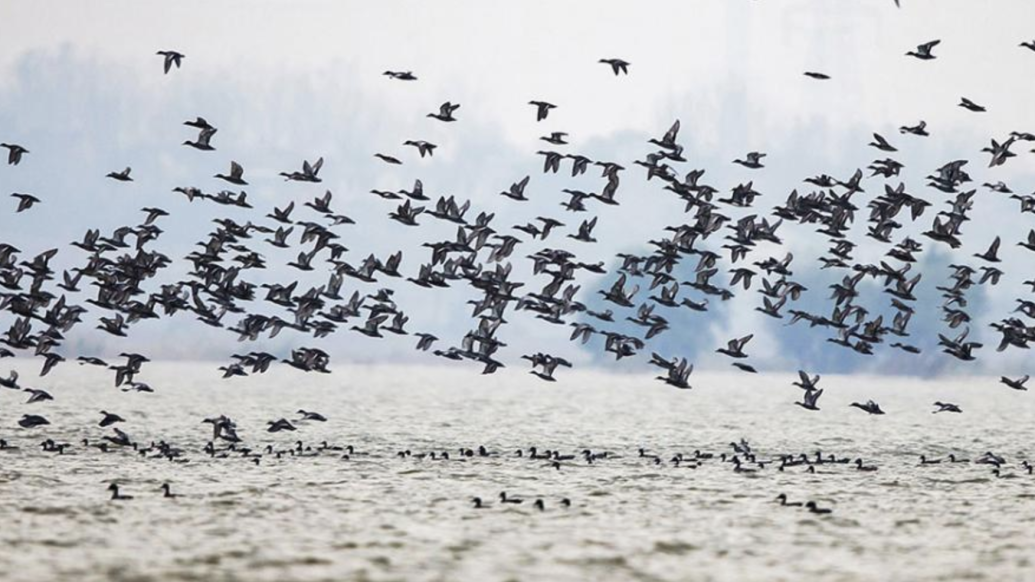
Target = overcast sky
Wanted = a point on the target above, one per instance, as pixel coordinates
(81, 87)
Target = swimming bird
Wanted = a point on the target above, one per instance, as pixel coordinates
(512, 500)
(171, 58)
(115, 495)
(813, 508)
(14, 153)
(617, 65)
(782, 499)
(167, 491)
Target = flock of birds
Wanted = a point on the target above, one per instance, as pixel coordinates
(118, 268)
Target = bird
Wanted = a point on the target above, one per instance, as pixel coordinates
(735, 347)
(751, 160)
(236, 175)
(445, 112)
(167, 491)
(813, 508)
(116, 495)
(423, 147)
(923, 51)
(1016, 384)
(109, 419)
(14, 153)
(542, 109)
(818, 76)
(869, 406)
(280, 425)
(617, 65)
(401, 75)
(25, 201)
(810, 398)
(946, 407)
(171, 58)
(970, 105)
(122, 176)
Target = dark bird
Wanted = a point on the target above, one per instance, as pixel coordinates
(923, 51)
(122, 176)
(423, 147)
(171, 58)
(542, 109)
(869, 406)
(14, 153)
(400, 75)
(970, 105)
(445, 112)
(25, 201)
(815, 75)
(1017, 384)
(236, 175)
(617, 65)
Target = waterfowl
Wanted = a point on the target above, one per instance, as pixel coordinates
(923, 51)
(14, 153)
(236, 175)
(32, 421)
(312, 416)
(25, 201)
(167, 492)
(171, 58)
(782, 499)
(813, 508)
(617, 65)
(115, 495)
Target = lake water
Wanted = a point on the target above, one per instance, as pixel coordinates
(380, 517)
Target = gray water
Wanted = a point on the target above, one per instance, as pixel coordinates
(378, 517)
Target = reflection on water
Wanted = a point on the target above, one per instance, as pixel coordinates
(380, 517)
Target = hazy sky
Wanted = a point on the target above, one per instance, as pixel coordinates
(81, 87)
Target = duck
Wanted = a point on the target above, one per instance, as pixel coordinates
(115, 495)
(813, 508)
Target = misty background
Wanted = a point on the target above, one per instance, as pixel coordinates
(81, 88)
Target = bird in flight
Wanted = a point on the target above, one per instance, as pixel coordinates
(171, 58)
